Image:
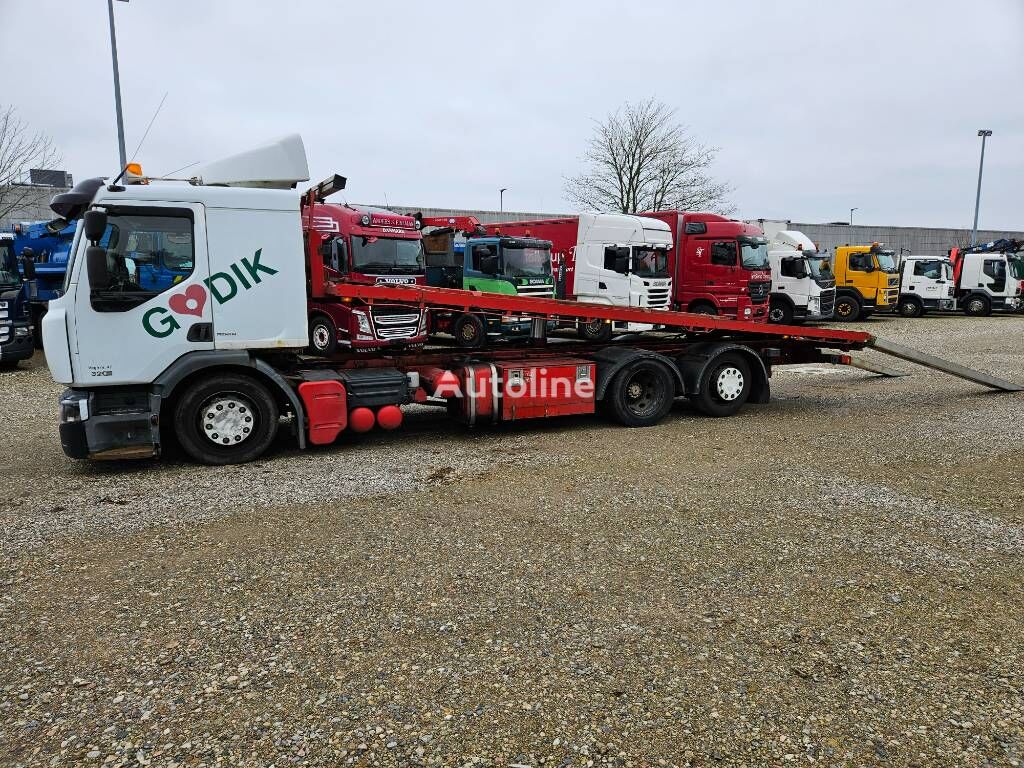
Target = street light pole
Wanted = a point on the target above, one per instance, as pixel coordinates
(984, 133)
(851, 215)
(117, 85)
(501, 199)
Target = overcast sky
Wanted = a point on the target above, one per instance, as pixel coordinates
(817, 106)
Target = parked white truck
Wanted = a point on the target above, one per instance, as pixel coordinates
(989, 277)
(926, 284)
(803, 285)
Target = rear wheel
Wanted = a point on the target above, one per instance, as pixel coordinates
(977, 306)
(848, 309)
(226, 419)
(780, 312)
(724, 387)
(469, 332)
(323, 336)
(641, 393)
(596, 331)
(910, 306)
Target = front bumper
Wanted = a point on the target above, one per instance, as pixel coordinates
(16, 342)
(104, 427)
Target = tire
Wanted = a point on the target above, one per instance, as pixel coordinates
(780, 313)
(703, 308)
(596, 331)
(847, 309)
(910, 307)
(641, 393)
(9, 365)
(724, 386)
(216, 410)
(469, 332)
(37, 327)
(977, 305)
(323, 335)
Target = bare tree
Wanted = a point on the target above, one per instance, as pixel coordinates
(20, 150)
(641, 159)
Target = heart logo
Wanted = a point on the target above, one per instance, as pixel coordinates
(191, 302)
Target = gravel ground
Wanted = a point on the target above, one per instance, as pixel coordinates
(831, 578)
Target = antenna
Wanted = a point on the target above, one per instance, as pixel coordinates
(144, 135)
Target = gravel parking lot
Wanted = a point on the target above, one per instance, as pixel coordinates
(834, 577)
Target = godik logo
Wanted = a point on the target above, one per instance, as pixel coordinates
(223, 286)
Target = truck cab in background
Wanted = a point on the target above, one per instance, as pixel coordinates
(988, 278)
(719, 266)
(867, 281)
(350, 244)
(514, 266)
(926, 284)
(803, 286)
(16, 338)
(604, 258)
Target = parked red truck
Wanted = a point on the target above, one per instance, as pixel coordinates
(368, 246)
(719, 266)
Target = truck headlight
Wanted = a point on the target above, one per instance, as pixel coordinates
(21, 332)
(746, 312)
(73, 409)
(3, 305)
(362, 321)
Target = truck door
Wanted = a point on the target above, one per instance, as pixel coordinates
(859, 266)
(993, 276)
(720, 275)
(927, 280)
(129, 331)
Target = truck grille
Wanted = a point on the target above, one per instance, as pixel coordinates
(5, 333)
(759, 292)
(396, 323)
(828, 301)
(536, 291)
(658, 298)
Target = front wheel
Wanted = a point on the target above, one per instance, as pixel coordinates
(910, 307)
(469, 332)
(596, 331)
(780, 312)
(847, 309)
(323, 336)
(226, 419)
(641, 393)
(724, 387)
(977, 306)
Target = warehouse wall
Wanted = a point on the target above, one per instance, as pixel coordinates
(35, 206)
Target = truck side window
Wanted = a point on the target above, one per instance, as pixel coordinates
(790, 268)
(860, 262)
(723, 254)
(931, 270)
(611, 253)
(996, 269)
(481, 252)
(146, 255)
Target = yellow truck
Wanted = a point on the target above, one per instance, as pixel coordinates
(867, 281)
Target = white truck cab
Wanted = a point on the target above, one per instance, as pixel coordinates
(623, 260)
(803, 284)
(988, 278)
(926, 283)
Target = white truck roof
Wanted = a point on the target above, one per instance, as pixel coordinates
(623, 228)
(279, 164)
(791, 240)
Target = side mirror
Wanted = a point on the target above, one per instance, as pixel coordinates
(621, 264)
(95, 223)
(869, 268)
(489, 265)
(96, 266)
(28, 267)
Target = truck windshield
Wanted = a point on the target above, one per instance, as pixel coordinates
(754, 254)
(386, 256)
(527, 262)
(650, 262)
(819, 267)
(886, 261)
(8, 266)
(1017, 267)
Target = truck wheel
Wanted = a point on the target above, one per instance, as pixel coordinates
(703, 308)
(226, 419)
(847, 309)
(780, 312)
(977, 306)
(37, 329)
(641, 393)
(469, 332)
(910, 307)
(596, 331)
(323, 336)
(724, 386)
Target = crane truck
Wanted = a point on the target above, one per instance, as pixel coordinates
(516, 266)
(351, 244)
(988, 278)
(803, 286)
(215, 361)
(867, 281)
(604, 258)
(719, 266)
